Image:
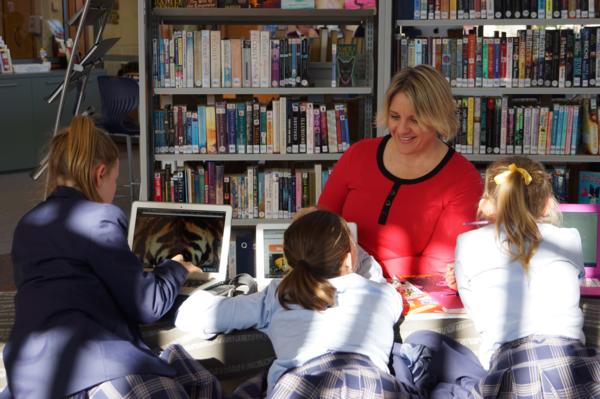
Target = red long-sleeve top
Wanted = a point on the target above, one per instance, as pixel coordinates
(409, 226)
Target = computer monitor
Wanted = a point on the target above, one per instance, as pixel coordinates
(270, 262)
(160, 230)
(586, 219)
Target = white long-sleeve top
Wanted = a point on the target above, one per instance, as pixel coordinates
(361, 322)
(505, 303)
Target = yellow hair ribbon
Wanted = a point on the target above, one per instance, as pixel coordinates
(501, 177)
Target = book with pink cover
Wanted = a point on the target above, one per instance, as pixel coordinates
(429, 293)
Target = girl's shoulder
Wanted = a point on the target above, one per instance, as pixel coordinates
(568, 237)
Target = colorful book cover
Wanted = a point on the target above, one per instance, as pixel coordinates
(429, 293)
(589, 187)
(346, 55)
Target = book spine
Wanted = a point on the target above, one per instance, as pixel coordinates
(275, 63)
(265, 59)
(263, 128)
(241, 128)
(256, 133)
(211, 130)
(215, 58)
(236, 63)
(255, 57)
(310, 136)
(221, 127)
(246, 64)
(231, 127)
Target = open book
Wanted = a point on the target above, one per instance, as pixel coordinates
(429, 293)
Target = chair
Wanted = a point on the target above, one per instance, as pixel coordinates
(119, 96)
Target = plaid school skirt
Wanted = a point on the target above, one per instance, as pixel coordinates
(536, 367)
(192, 381)
(331, 376)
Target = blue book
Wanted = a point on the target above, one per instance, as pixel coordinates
(541, 9)
(575, 133)
(559, 129)
(345, 127)
(231, 127)
(195, 139)
(261, 194)
(553, 135)
(241, 127)
(563, 129)
(202, 129)
(188, 133)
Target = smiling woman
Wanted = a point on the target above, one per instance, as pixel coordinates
(419, 191)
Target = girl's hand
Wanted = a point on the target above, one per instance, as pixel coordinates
(451, 277)
(189, 266)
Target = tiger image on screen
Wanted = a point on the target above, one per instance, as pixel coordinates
(199, 241)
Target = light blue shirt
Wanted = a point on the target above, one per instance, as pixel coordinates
(504, 302)
(361, 322)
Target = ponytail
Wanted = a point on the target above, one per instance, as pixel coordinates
(305, 288)
(314, 255)
(519, 188)
(76, 151)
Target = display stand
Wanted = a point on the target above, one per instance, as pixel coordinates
(78, 68)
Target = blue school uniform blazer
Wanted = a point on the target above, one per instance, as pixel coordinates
(81, 294)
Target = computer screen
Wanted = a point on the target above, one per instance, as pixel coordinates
(585, 218)
(199, 232)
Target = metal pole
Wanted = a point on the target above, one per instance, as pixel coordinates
(44, 163)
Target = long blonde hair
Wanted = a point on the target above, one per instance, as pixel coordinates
(76, 151)
(430, 95)
(518, 203)
(315, 246)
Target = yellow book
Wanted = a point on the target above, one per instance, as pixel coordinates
(452, 9)
(269, 131)
(211, 130)
(545, 114)
(470, 121)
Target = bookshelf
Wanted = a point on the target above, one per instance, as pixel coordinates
(153, 94)
(571, 157)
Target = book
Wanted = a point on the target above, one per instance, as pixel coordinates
(429, 293)
(297, 4)
(358, 4)
(345, 58)
(201, 3)
(589, 187)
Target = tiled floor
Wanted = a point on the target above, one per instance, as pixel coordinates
(21, 193)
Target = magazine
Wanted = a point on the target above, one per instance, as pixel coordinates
(429, 293)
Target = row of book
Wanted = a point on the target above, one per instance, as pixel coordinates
(499, 125)
(284, 4)
(501, 9)
(533, 58)
(201, 58)
(280, 127)
(256, 193)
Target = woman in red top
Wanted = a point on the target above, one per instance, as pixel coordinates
(409, 192)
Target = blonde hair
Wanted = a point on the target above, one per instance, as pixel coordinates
(76, 151)
(315, 246)
(519, 206)
(431, 97)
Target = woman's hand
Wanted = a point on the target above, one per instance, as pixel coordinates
(189, 266)
(451, 277)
